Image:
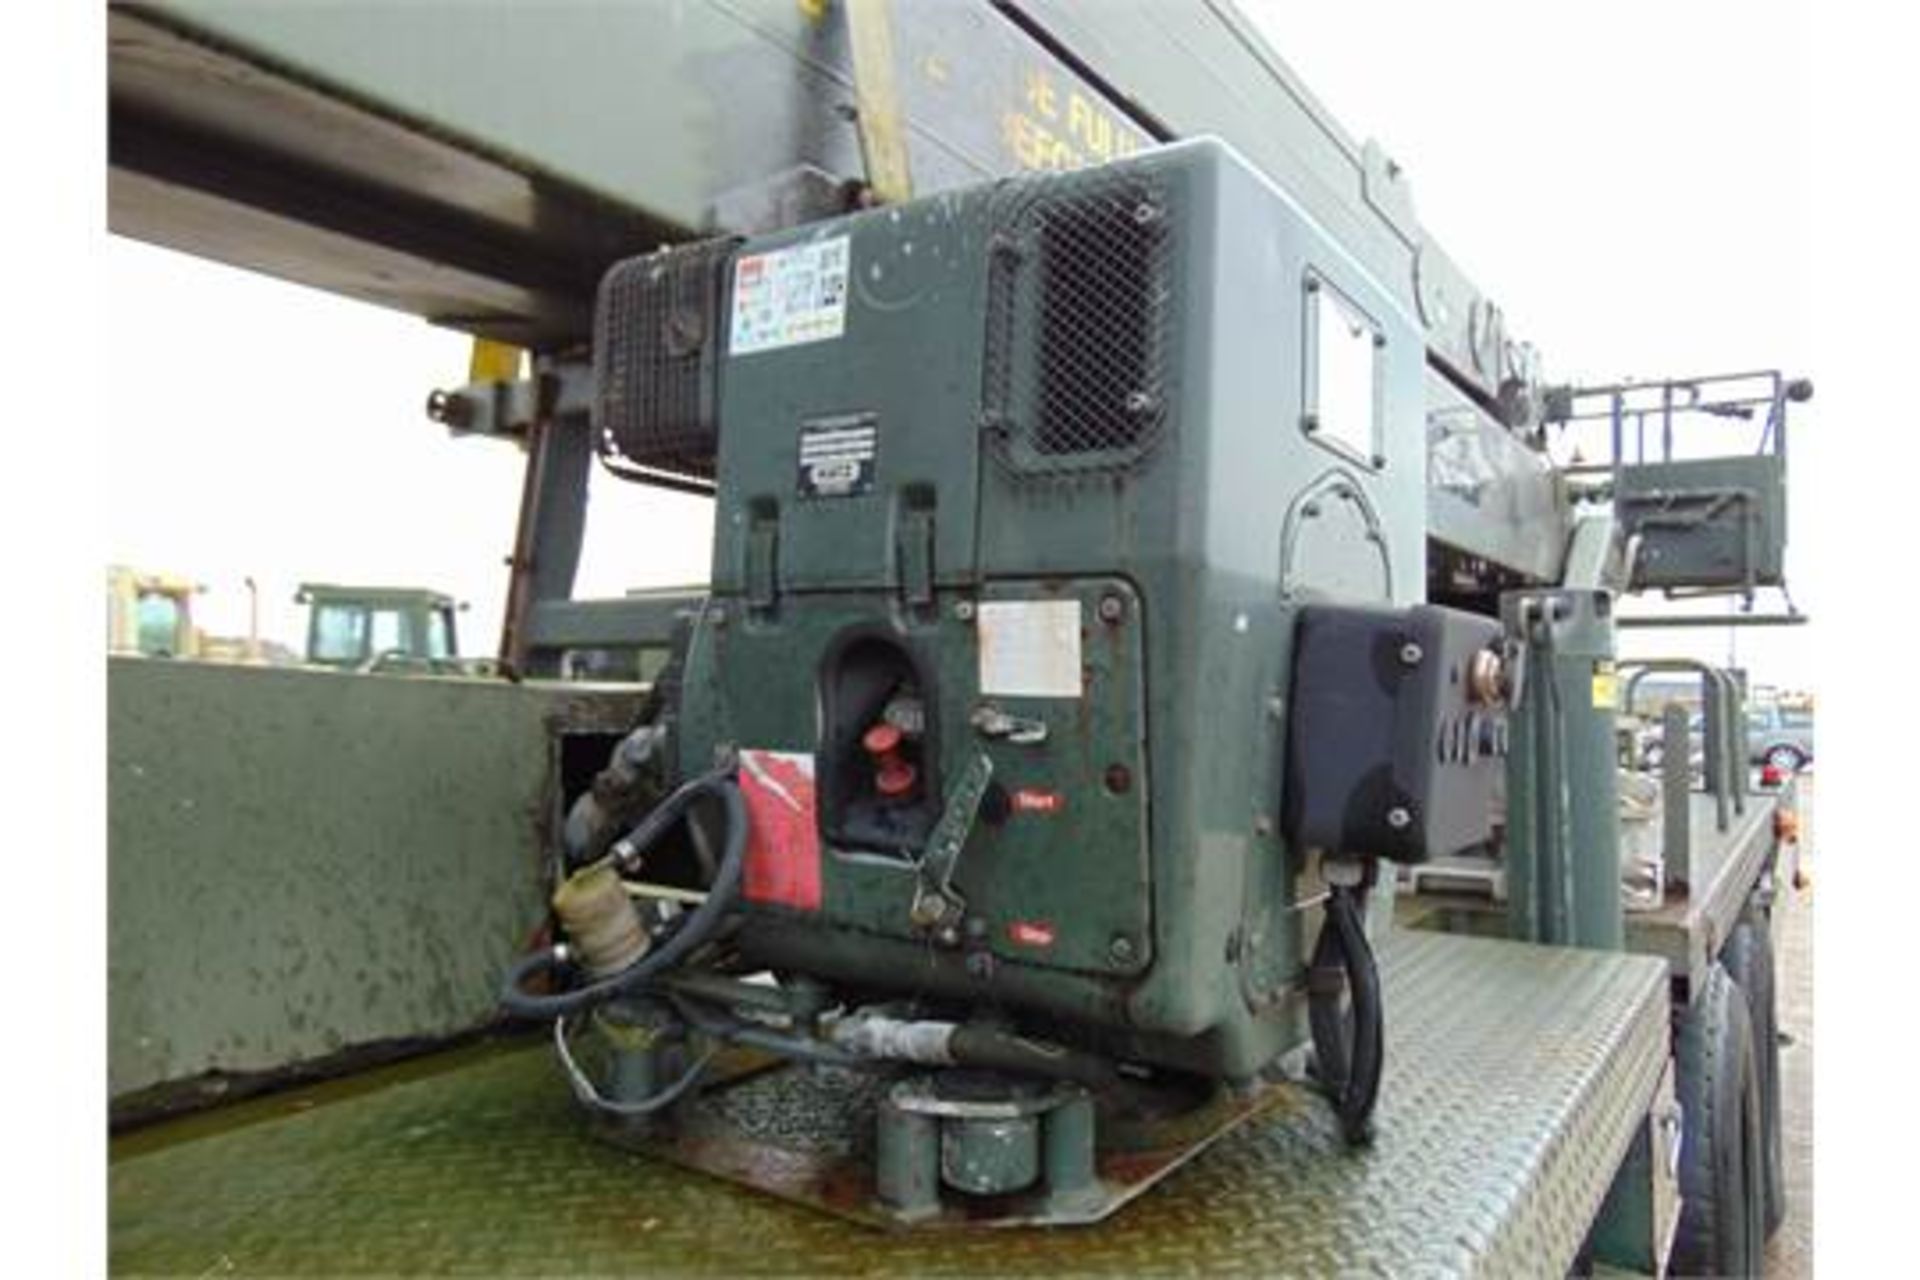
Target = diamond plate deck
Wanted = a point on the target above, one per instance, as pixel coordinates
(1515, 1078)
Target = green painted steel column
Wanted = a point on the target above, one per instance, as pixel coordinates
(1563, 825)
(907, 1161)
(1069, 1138)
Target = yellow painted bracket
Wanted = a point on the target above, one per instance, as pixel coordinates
(876, 96)
(493, 361)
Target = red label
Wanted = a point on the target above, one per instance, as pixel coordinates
(1031, 933)
(783, 830)
(1034, 800)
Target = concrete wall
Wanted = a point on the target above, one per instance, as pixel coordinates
(300, 861)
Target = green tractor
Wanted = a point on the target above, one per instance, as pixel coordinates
(407, 630)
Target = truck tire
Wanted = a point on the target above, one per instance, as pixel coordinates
(1749, 959)
(1722, 1211)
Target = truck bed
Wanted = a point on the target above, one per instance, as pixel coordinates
(1516, 1077)
(1688, 928)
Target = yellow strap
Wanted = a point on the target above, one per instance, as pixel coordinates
(493, 361)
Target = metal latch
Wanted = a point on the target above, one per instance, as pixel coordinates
(916, 556)
(994, 722)
(763, 561)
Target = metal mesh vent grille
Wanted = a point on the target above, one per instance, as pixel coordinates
(656, 352)
(1078, 313)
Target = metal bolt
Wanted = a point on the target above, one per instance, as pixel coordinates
(1121, 948)
(928, 908)
(1411, 653)
(719, 617)
(1262, 825)
(1112, 608)
(949, 936)
(963, 610)
(1277, 706)
(1398, 818)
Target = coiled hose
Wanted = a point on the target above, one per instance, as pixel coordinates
(1342, 960)
(700, 926)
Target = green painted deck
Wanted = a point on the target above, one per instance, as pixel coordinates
(1515, 1078)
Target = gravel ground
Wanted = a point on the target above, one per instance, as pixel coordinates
(1790, 1254)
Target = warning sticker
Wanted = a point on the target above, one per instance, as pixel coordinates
(1030, 648)
(783, 831)
(789, 296)
(1606, 690)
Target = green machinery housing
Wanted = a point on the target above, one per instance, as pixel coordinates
(1085, 512)
(1065, 640)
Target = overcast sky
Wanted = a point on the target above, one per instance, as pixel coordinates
(1620, 178)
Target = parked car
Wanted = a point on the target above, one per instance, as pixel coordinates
(1780, 736)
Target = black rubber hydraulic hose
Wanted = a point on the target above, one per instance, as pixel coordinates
(1342, 959)
(978, 1046)
(700, 926)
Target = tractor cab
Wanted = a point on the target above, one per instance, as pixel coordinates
(380, 628)
(151, 614)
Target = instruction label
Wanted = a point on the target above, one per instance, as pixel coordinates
(789, 296)
(1030, 648)
(837, 455)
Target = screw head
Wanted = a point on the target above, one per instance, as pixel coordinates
(963, 610)
(1398, 818)
(719, 617)
(1112, 608)
(1411, 653)
(1121, 948)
